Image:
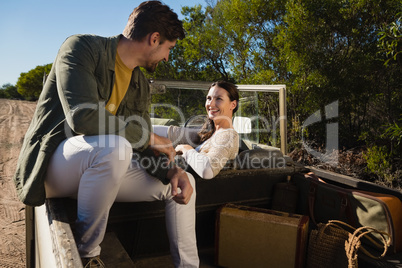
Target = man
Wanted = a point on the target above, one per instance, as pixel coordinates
(91, 115)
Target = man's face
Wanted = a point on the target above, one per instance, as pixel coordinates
(158, 54)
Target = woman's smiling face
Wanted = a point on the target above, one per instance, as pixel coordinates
(218, 105)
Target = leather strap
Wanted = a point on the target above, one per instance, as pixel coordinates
(311, 201)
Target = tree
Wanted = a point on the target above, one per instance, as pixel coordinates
(390, 41)
(232, 40)
(330, 50)
(9, 91)
(30, 84)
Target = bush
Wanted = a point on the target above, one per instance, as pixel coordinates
(379, 163)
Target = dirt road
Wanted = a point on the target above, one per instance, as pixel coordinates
(15, 117)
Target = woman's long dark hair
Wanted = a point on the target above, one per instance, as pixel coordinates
(208, 129)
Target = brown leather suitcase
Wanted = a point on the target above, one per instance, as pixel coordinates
(358, 208)
(255, 237)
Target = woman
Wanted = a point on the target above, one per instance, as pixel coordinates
(219, 141)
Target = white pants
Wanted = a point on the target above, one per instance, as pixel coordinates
(99, 170)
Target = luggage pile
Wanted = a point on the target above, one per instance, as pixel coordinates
(329, 220)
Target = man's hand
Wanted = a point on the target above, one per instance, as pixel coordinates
(179, 179)
(162, 145)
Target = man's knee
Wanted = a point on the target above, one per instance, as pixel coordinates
(119, 147)
(116, 153)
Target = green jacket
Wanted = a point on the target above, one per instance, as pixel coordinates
(72, 103)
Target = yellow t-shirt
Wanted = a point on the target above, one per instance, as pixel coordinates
(121, 82)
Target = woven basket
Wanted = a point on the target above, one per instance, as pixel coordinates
(332, 245)
(327, 247)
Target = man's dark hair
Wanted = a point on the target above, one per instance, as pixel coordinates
(153, 16)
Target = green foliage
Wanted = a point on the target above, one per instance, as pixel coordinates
(9, 91)
(378, 163)
(330, 50)
(394, 132)
(30, 84)
(390, 41)
(394, 135)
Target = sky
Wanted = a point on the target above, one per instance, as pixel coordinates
(31, 31)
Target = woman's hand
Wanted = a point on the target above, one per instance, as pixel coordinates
(182, 148)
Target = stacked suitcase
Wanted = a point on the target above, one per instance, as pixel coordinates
(255, 237)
